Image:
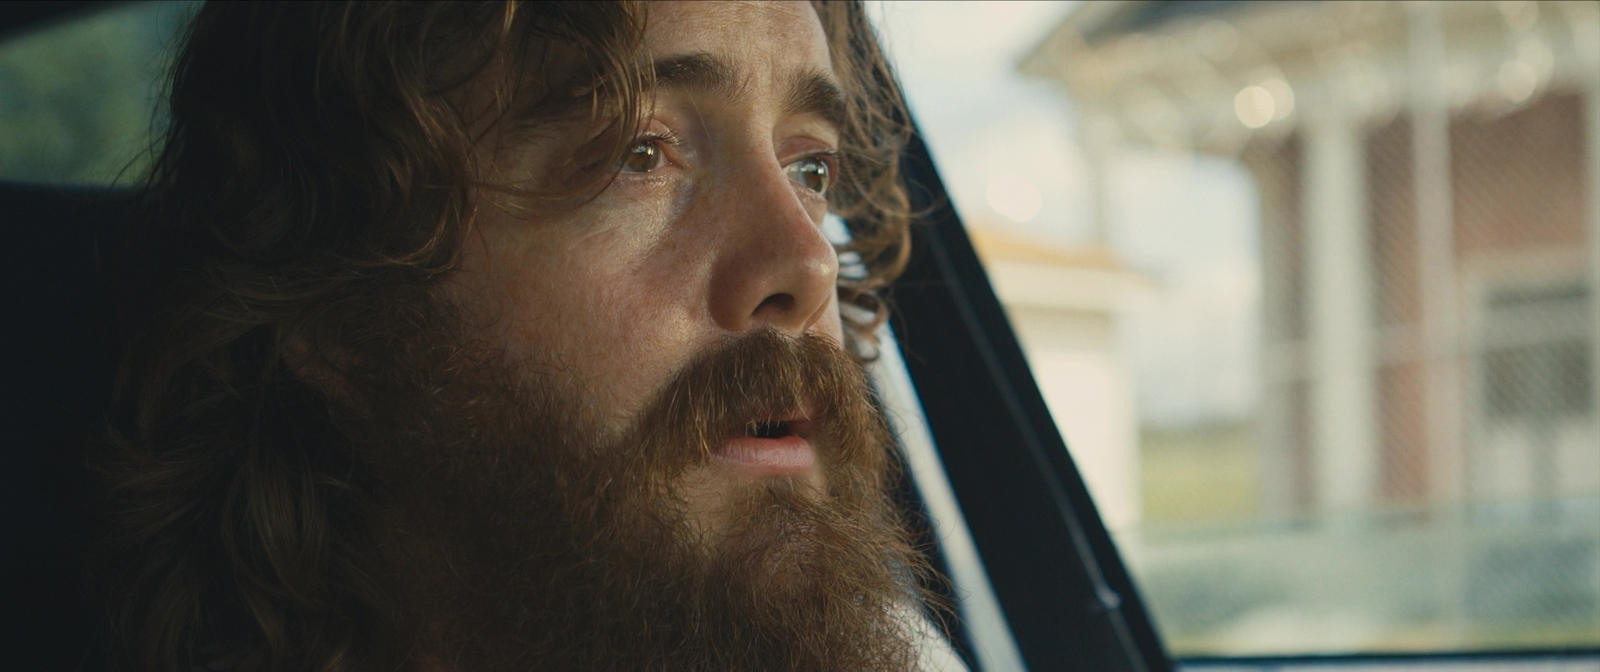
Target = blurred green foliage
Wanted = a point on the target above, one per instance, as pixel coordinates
(79, 98)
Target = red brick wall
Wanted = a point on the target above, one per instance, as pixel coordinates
(1518, 185)
(1519, 178)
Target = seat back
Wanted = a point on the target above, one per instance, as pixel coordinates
(57, 360)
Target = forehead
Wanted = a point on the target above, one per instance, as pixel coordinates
(774, 34)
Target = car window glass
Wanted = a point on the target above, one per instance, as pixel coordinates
(78, 96)
(1307, 288)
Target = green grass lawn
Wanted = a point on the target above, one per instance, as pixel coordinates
(1206, 472)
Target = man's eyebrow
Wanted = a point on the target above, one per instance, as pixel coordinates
(809, 92)
(814, 92)
(699, 72)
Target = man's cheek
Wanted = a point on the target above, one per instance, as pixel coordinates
(832, 322)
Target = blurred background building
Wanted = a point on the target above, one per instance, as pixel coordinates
(1426, 448)
(1423, 179)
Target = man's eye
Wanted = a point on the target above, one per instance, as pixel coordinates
(812, 173)
(643, 157)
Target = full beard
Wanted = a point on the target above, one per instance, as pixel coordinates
(518, 536)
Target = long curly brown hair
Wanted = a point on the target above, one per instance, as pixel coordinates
(314, 184)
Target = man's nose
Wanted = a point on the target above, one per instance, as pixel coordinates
(775, 268)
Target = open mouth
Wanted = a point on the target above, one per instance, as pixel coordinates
(768, 429)
(771, 447)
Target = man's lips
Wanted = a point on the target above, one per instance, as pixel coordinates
(771, 448)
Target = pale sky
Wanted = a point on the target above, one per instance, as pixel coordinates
(1188, 222)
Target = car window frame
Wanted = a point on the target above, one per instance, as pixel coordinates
(1067, 596)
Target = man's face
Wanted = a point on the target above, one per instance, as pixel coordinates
(711, 230)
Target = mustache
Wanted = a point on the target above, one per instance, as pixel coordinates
(759, 380)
